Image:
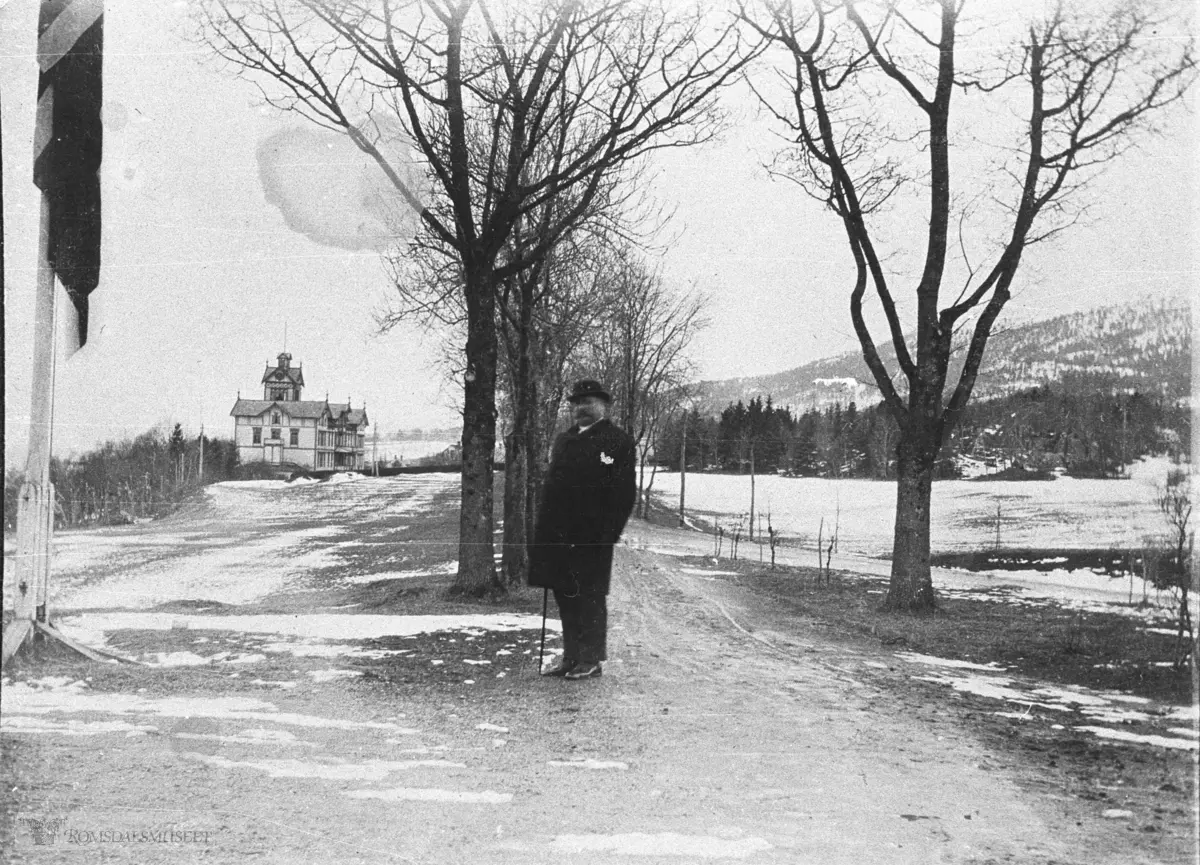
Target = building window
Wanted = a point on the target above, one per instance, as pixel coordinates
(294, 437)
(275, 434)
(275, 419)
(257, 435)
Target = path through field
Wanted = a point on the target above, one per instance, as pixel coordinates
(722, 729)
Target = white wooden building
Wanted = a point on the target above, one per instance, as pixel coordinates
(283, 428)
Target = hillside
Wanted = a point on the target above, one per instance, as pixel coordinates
(1145, 345)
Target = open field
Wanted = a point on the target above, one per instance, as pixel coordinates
(1060, 514)
(1049, 525)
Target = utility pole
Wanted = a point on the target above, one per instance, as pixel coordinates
(375, 449)
(683, 470)
(200, 473)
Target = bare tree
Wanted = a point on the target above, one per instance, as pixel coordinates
(545, 312)
(642, 349)
(485, 90)
(1173, 556)
(542, 316)
(868, 101)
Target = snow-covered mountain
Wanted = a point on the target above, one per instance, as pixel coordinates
(1144, 345)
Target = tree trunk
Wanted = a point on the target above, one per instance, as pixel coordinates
(476, 566)
(538, 449)
(514, 563)
(911, 586)
(518, 514)
(517, 522)
(640, 510)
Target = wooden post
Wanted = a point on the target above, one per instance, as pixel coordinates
(35, 509)
(1195, 477)
(752, 490)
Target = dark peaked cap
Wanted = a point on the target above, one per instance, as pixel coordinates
(588, 387)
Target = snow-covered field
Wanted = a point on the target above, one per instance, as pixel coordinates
(1063, 513)
(1059, 514)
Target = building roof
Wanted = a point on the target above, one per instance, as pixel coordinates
(276, 373)
(304, 408)
(357, 416)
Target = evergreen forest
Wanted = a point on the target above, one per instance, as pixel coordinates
(1081, 425)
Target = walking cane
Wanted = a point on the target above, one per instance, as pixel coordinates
(542, 649)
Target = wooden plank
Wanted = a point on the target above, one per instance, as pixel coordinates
(14, 636)
(39, 517)
(32, 561)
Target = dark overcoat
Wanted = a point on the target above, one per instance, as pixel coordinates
(587, 498)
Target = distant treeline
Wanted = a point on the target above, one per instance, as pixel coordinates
(424, 435)
(1080, 424)
(122, 481)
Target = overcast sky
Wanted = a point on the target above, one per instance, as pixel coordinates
(202, 270)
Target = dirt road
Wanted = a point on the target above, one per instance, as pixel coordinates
(723, 729)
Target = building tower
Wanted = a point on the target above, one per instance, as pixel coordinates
(282, 382)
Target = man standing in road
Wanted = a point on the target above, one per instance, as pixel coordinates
(587, 497)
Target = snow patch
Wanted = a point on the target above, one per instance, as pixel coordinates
(427, 794)
(304, 649)
(21, 699)
(933, 661)
(252, 658)
(372, 770)
(90, 628)
(256, 736)
(1185, 713)
(661, 844)
(1095, 705)
(332, 675)
(1146, 739)
(445, 569)
(24, 724)
(589, 764)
